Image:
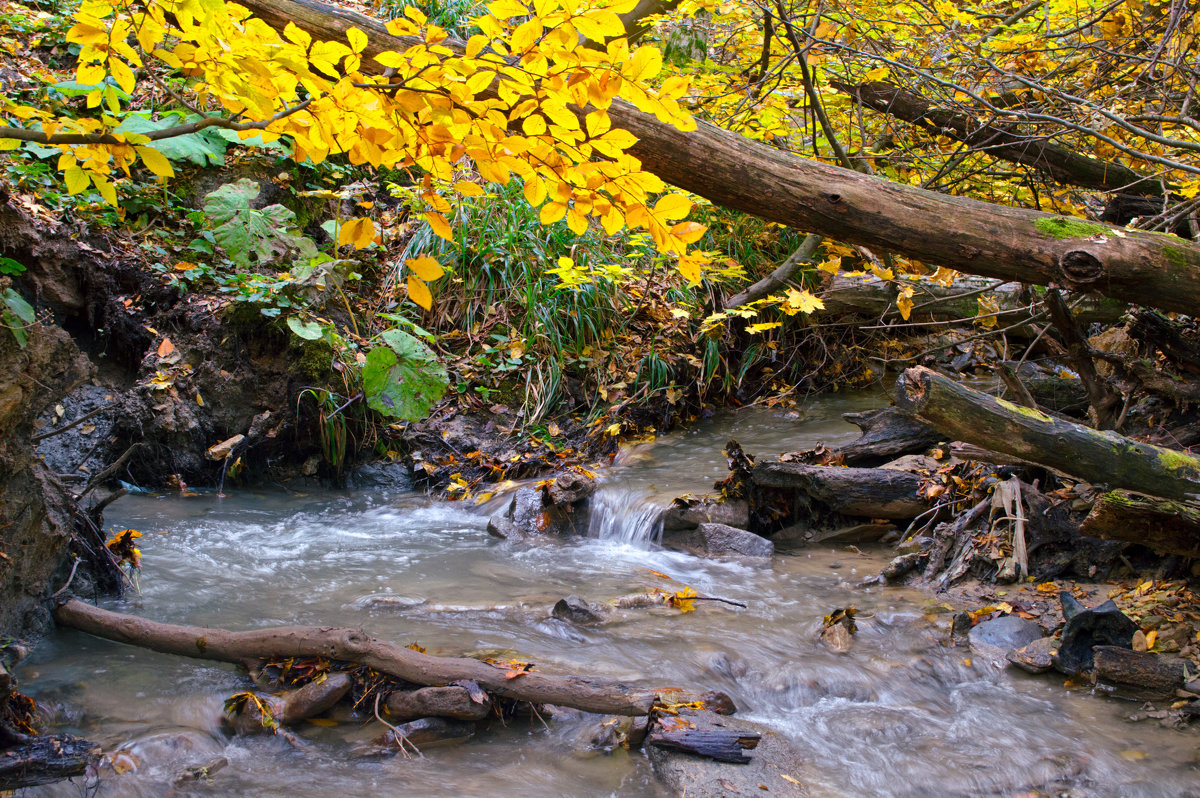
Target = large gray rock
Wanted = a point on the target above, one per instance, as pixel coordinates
(689, 515)
(994, 639)
(561, 508)
(719, 539)
(774, 764)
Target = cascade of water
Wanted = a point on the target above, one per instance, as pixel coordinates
(624, 515)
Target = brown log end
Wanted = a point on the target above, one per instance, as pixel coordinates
(1080, 268)
(912, 389)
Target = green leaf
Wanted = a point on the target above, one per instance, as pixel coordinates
(17, 314)
(243, 231)
(202, 148)
(403, 379)
(308, 330)
(10, 266)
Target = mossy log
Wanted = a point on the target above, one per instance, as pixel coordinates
(1098, 457)
(351, 645)
(1167, 527)
(735, 172)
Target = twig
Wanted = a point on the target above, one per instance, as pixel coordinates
(108, 472)
(401, 739)
(70, 578)
(722, 600)
(72, 425)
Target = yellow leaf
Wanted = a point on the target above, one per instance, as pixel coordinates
(469, 189)
(613, 429)
(419, 292)
(76, 179)
(155, 161)
(503, 9)
(358, 40)
(577, 222)
(672, 206)
(688, 232)
(439, 225)
(354, 231)
(763, 326)
(122, 74)
(551, 212)
(904, 302)
(535, 190)
(425, 267)
(90, 74)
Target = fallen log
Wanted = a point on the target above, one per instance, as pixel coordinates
(44, 760)
(864, 492)
(723, 745)
(886, 435)
(351, 645)
(1137, 674)
(734, 172)
(1096, 457)
(1167, 527)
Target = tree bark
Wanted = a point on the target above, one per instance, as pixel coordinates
(968, 235)
(865, 492)
(886, 435)
(1062, 164)
(1165, 526)
(351, 645)
(1098, 457)
(1137, 674)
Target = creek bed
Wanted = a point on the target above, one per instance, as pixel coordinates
(901, 715)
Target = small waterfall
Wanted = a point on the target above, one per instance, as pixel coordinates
(624, 515)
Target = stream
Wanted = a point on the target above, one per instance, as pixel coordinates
(900, 715)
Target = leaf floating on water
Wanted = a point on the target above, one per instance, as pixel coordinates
(683, 599)
(417, 647)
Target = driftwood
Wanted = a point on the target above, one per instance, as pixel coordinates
(588, 694)
(723, 745)
(865, 492)
(1137, 674)
(1167, 527)
(441, 702)
(886, 435)
(46, 759)
(1097, 457)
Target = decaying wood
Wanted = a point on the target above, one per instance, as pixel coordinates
(865, 492)
(1167, 527)
(46, 759)
(1138, 674)
(351, 645)
(886, 434)
(732, 171)
(440, 702)
(1097, 457)
(1105, 402)
(723, 745)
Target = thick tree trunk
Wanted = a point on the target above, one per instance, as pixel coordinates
(1100, 457)
(1064, 165)
(588, 694)
(970, 236)
(1165, 526)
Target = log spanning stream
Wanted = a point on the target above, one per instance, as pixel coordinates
(900, 715)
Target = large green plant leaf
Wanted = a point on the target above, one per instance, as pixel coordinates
(403, 379)
(201, 148)
(243, 231)
(16, 314)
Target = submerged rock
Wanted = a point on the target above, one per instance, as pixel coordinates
(687, 514)
(575, 610)
(715, 539)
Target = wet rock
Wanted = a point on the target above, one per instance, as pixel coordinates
(1036, 657)
(224, 449)
(727, 665)
(575, 610)
(994, 639)
(1102, 626)
(838, 639)
(689, 515)
(915, 545)
(315, 697)
(774, 765)
(535, 511)
(201, 772)
(381, 476)
(716, 539)
(423, 733)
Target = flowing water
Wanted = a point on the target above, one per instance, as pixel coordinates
(900, 715)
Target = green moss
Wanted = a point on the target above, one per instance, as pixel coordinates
(1175, 255)
(1178, 461)
(1028, 412)
(312, 361)
(1066, 227)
